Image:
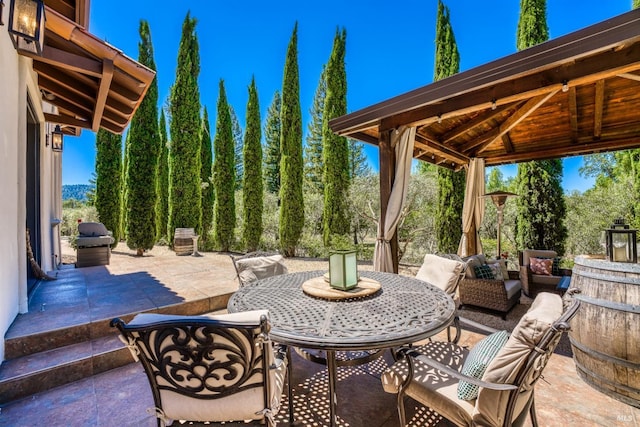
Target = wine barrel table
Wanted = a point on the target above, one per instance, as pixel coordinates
(183, 241)
(605, 333)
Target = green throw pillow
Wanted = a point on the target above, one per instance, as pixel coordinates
(484, 272)
(477, 361)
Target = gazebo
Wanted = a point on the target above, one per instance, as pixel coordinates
(574, 95)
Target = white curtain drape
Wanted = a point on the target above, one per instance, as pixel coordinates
(402, 140)
(473, 208)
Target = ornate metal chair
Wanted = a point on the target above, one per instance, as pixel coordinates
(444, 271)
(431, 374)
(208, 368)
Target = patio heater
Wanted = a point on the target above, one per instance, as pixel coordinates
(499, 199)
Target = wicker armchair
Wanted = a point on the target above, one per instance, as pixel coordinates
(497, 294)
(532, 283)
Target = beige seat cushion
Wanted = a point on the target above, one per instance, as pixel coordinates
(429, 386)
(491, 404)
(441, 272)
(257, 268)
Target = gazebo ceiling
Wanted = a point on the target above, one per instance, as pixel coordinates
(574, 95)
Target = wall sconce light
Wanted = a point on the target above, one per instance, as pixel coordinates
(26, 25)
(57, 139)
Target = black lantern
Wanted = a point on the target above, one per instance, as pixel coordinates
(26, 25)
(621, 242)
(57, 139)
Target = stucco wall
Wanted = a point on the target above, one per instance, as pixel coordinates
(10, 215)
(17, 85)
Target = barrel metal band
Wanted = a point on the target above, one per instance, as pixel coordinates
(605, 357)
(608, 278)
(613, 384)
(619, 306)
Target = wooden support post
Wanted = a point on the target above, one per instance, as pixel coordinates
(387, 155)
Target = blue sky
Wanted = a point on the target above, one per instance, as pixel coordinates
(390, 49)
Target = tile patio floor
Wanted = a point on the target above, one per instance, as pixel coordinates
(119, 397)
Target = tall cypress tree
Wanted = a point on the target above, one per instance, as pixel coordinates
(162, 182)
(144, 149)
(184, 156)
(291, 164)
(272, 134)
(252, 188)
(541, 207)
(451, 184)
(109, 181)
(224, 175)
(313, 151)
(236, 131)
(206, 177)
(636, 4)
(125, 188)
(335, 149)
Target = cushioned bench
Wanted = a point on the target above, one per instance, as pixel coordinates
(93, 244)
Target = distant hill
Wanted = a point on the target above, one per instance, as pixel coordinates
(76, 191)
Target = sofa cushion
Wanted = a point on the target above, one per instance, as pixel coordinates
(542, 266)
(472, 261)
(503, 266)
(512, 287)
(93, 241)
(497, 271)
(92, 229)
(484, 272)
(545, 280)
(441, 272)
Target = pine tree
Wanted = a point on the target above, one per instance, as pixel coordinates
(236, 131)
(313, 150)
(162, 182)
(291, 164)
(335, 149)
(224, 175)
(451, 184)
(541, 206)
(358, 162)
(144, 150)
(272, 134)
(109, 181)
(206, 177)
(184, 156)
(252, 193)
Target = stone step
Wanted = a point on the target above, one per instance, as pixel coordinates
(42, 361)
(42, 371)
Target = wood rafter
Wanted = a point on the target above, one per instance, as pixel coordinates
(447, 152)
(508, 145)
(69, 61)
(630, 76)
(598, 109)
(573, 114)
(471, 124)
(522, 113)
(103, 93)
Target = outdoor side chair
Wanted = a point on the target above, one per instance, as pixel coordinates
(257, 265)
(495, 392)
(444, 271)
(216, 368)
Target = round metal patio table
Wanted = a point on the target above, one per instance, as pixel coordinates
(405, 310)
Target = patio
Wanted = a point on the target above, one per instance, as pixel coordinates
(108, 389)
